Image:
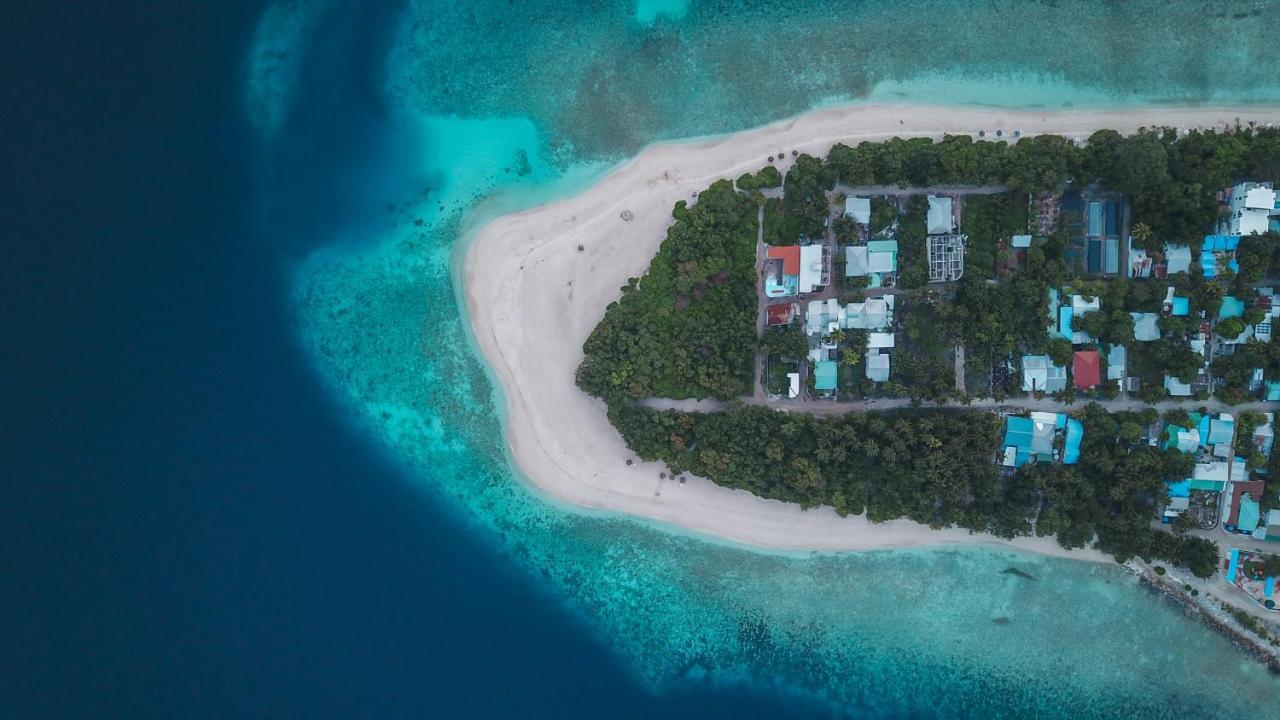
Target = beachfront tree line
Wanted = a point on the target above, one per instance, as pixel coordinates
(936, 468)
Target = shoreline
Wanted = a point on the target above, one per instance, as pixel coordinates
(533, 297)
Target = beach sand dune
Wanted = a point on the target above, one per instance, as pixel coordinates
(533, 297)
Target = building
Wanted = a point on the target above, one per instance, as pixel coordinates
(1177, 258)
(1232, 306)
(1219, 251)
(793, 385)
(1116, 357)
(946, 257)
(1243, 515)
(1271, 309)
(1039, 374)
(1086, 369)
(1140, 263)
(1146, 326)
(875, 261)
(1176, 387)
(1175, 305)
(941, 220)
(824, 317)
(874, 314)
(782, 313)
(880, 341)
(858, 208)
(782, 271)
(878, 366)
(1250, 206)
(1066, 315)
(1033, 439)
(824, 376)
(814, 274)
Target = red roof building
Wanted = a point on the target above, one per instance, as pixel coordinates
(782, 314)
(790, 257)
(1086, 369)
(1254, 488)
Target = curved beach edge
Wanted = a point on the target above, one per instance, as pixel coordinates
(533, 297)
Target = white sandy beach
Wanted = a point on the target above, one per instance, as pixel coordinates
(533, 298)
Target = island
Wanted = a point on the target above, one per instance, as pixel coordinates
(890, 326)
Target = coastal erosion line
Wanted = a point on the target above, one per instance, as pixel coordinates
(1214, 618)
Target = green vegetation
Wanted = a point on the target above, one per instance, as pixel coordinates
(768, 177)
(687, 328)
(778, 227)
(986, 220)
(804, 195)
(1259, 256)
(789, 342)
(1234, 371)
(883, 212)
(935, 468)
(913, 261)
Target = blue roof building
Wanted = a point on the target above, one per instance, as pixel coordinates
(1071, 449)
(1231, 307)
(1031, 439)
(1215, 244)
(824, 375)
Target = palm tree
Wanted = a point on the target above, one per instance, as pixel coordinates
(1141, 234)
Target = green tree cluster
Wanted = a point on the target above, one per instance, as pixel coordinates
(687, 328)
(936, 468)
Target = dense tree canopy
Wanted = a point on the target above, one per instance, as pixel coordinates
(687, 328)
(936, 468)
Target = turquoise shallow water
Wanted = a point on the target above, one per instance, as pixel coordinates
(512, 104)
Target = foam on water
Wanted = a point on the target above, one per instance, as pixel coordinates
(521, 102)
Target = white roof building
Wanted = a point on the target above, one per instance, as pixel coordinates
(1146, 326)
(1040, 374)
(793, 390)
(941, 220)
(878, 367)
(1176, 387)
(1251, 205)
(810, 268)
(858, 208)
(878, 340)
(1188, 440)
(1215, 471)
(824, 317)
(856, 261)
(1080, 306)
(874, 314)
(1177, 258)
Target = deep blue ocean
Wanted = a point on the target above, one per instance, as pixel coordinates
(211, 505)
(189, 527)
